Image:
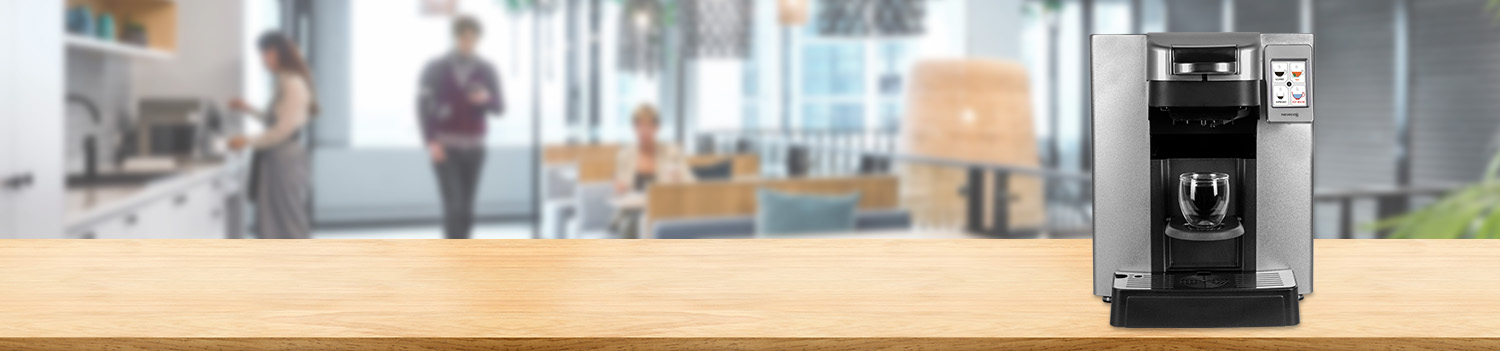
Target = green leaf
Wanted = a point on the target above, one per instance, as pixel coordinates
(1492, 7)
(1448, 218)
(1057, 5)
(1490, 228)
(1470, 211)
(1493, 168)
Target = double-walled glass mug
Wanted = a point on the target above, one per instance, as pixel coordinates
(1204, 199)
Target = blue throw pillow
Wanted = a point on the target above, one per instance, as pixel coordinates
(780, 213)
(722, 170)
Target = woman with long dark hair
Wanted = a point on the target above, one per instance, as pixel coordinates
(280, 180)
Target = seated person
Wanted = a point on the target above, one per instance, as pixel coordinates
(649, 161)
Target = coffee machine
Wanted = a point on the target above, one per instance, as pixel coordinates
(1203, 178)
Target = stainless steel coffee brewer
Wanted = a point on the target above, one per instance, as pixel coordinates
(1203, 177)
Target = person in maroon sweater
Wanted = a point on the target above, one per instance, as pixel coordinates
(459, 90)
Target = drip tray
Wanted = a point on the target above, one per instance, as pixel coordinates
(1230, 229)
(1198, 300)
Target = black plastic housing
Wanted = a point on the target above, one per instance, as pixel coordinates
(1227, 93)
(1201, 306)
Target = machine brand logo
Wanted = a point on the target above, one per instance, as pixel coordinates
(1295, 115)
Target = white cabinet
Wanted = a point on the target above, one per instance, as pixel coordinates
(195, 211)
(31, 119)
(122, 227)
(7, 84)
(193, 214)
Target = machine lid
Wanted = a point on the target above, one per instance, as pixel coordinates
(1203, 56)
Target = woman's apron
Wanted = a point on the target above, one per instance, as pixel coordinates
(281, 188)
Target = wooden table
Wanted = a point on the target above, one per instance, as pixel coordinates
(688, 295)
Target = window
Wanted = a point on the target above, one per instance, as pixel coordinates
(750, 88)
(392, 41)
(853, 84)
(833, 85)
(895, 59)
(843, 84)
(260, 17)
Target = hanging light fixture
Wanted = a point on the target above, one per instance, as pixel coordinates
(641, 34)
(439, 8)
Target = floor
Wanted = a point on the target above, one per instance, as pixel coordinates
(481, 231)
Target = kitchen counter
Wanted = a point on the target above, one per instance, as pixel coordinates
(88, 205)
(703, 294)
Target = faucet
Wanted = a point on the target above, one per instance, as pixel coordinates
(90, 141)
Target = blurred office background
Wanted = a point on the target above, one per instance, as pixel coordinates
(951, 118)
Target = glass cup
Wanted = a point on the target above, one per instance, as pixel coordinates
(1203, 199)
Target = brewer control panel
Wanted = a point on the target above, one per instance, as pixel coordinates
(1288, 80)
(1289, 83)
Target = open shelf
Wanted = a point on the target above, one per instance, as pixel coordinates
(157, 17)
(115, 48)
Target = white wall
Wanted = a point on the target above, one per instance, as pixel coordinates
(104, 80)
(993, 28)
(259, 16)
(210, 54)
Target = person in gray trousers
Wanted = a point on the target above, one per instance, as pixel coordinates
(459, 90)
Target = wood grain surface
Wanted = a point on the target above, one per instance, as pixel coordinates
(738, 197)
(745, 166)
(596, 162)
(689, 295)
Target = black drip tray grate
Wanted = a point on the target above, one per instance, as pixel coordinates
(1204, 281)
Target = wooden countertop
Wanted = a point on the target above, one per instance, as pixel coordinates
(704, 294)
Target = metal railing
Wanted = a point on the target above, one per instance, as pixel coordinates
(1068, 194)
(1389, 203)
(1067, 201)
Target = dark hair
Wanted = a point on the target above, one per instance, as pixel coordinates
(289, 57)
(464, 24)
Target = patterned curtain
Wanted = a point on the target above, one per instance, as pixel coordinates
(719, 28)
(871, 18)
